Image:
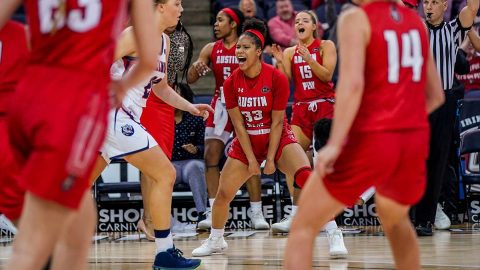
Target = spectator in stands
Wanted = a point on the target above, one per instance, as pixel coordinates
(282, 26)
(188, 148)
(249, 10)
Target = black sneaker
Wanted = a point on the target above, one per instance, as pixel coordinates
(424, 229)
(173, 259)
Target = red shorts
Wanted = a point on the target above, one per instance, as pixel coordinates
(56, 128)
(209, 122)
(393, 162)
(304, 115)
(260, 145)
(159, 119)
(11, 195)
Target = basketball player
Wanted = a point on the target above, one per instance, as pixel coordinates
(311, 64)
(221, 56)
(388, 83)
(13, 58)
(256, 96)
(58, 122)
(129, 140)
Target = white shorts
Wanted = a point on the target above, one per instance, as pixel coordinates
(210, 134)
(125, 136)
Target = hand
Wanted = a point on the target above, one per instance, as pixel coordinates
(202, 110)
(269, 167)
(253, 167)
(304, 52)
(116, 93)
(277, 53)
(201, 68)
(190, 148)
(326, 159)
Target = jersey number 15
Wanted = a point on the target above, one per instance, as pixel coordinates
(410, 57)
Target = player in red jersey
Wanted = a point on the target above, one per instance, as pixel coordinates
(13, 57)
(58, 122)
(221, 56)
(310, 64)
(388, 83)
(256, 96)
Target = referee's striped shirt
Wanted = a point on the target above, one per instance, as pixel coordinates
(445, 39)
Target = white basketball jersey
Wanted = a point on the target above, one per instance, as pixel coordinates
(136, 98)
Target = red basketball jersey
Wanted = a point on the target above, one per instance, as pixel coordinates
(395, 70)
(257, 97)
(309, 87)
(13, 56)
(77, 34)
(224, 62)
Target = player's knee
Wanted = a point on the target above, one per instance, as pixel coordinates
(301, 176)
(223, 197)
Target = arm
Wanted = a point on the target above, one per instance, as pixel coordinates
(468, 13)
(280, 99)
(353, 33)
(278, 33)
(434, 96)
(146, 41)
(474, 39)
(329, 57)
(8, 8)
(283, 59)
(125, 44)
(199, 66)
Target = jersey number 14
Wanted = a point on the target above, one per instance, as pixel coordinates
(410, 57)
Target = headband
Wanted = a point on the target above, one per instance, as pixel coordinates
(258, 35)
(232, 15)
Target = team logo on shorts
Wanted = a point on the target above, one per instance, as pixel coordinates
(128, 130)
(265, 89)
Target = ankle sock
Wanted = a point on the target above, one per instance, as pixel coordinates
(163, 240)
(256, 206)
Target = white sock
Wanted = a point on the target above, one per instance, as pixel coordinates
(256, 206)
(164, 243)
(211, 200)
(294, 210)
(217, 232)
(330, 226)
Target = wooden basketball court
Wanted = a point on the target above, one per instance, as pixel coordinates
(368, 249)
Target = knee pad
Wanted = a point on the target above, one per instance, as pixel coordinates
(301, 176)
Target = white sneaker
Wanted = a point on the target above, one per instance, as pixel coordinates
(283, 226)
(337, 246)
(206, 224)
(212, 245)
(258, 221)
(442, 222)
(7, 225)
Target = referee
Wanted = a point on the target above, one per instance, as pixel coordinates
(445, 39)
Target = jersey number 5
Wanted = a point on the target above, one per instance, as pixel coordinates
(411, 56)
(53, 15)
(226, 72)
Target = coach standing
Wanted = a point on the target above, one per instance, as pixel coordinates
(445, 39)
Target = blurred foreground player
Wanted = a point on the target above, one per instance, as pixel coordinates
(380, 129)
(13, 57)
(58, 122)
